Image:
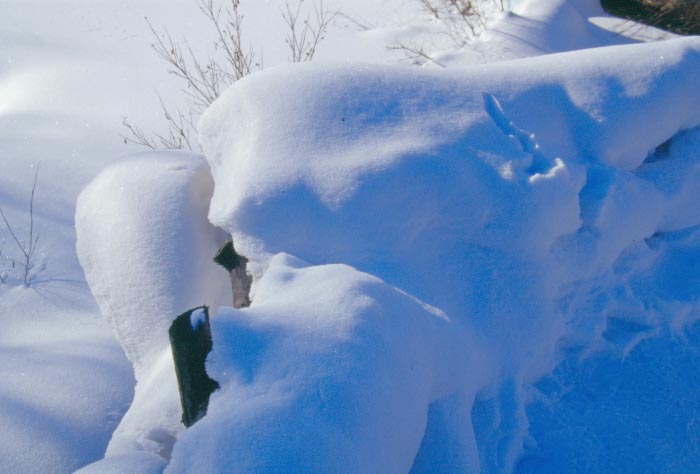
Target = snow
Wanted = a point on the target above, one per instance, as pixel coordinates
(384, 191)
(69, 72)
(138, 463)
(150, 212)
(65, 384)
(428, 181)
(489, 268)
(315, 333)
(197, 318)
(463, 224)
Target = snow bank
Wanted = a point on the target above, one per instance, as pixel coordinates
(489, 193)
(544, 27)
(413, 175)
(535, 27)
(65, 382)
(147, 248)
(332, 371)
(623, 398)
(433, 252)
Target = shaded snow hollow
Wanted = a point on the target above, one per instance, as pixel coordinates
(441, 261)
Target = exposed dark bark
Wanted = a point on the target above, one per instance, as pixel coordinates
(237, 266)
(191, 342)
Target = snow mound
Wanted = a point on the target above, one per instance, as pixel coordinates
(146, 248)
(490, 193)
(438, 257)
(134, 222)
(414, 175)
(332, 344)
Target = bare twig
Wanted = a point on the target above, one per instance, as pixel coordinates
(204, 79)
(463, 19)
(2, 277)
(303, 39)
(358, 23)
(239, 61)
(27, 248)
(137, 135)
(415, 53)
(206, 76)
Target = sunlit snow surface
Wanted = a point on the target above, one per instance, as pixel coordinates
(431, 295)
(492, 269)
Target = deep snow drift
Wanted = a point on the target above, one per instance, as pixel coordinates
(148, 260)
(455, 271)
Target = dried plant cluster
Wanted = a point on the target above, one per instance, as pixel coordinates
(677, 16)
(206, 75)
(305, 34)
(463, 21)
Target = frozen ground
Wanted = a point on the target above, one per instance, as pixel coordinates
(485, 269)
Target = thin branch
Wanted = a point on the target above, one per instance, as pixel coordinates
(137, 135)
(362, 26)
(463, 19)
(414, 53)
(204, 80)
(2, 278)
(28, 248)
(11, 230)
(206, 76)
(303, 40)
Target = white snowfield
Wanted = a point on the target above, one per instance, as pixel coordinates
(455, 271)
